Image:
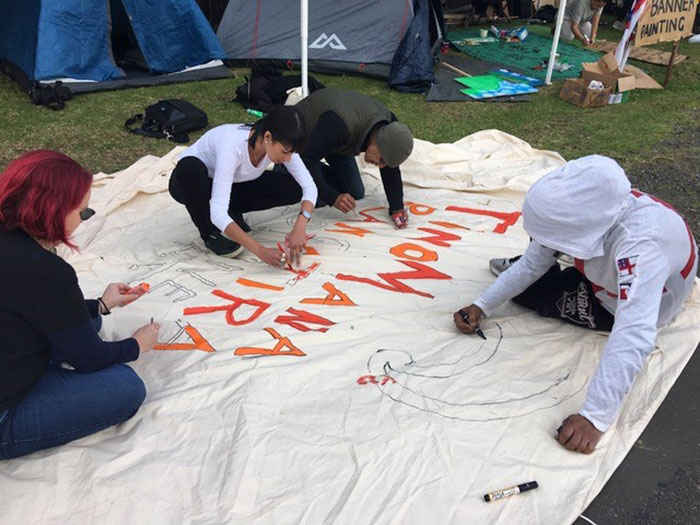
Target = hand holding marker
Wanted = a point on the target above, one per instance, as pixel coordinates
(476, 329)
(139, 289)
(285, 258)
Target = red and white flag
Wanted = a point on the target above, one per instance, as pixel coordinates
(623, 48)
(626, 266)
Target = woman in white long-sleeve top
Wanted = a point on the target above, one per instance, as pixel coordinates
(635, 261)
(210, 180)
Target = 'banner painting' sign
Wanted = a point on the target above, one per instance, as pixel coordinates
(666, 21)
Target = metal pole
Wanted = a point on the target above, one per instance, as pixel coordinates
(555, 42)
(304, 48)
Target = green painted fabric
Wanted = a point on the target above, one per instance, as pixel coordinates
(527, 54)
(481, 82)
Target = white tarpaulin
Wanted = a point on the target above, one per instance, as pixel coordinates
(342, 394)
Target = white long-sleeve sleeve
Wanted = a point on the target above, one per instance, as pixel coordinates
(531, 266)
(228, 159)
(297, 168)
(633, 334)
(224, 152)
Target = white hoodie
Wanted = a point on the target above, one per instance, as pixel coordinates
(638, 253)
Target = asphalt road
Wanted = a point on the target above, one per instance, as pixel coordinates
(659, 481)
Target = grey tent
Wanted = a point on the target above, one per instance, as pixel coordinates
(360, 36)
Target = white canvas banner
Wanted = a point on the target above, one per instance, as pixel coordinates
(342, 393)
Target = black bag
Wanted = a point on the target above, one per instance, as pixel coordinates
(52, 96)
(169, 118)
(520, 8)
(268, 88)
(548, 13)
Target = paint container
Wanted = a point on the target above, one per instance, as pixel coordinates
(483, 33)
(520, 33)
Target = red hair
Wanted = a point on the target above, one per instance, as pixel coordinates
(38, 190)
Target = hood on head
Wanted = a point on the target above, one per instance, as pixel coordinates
(572, 208)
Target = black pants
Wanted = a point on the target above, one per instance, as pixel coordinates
(567, 295)
(342, 174)
(190, 185)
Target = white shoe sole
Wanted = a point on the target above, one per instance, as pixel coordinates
(232, 255)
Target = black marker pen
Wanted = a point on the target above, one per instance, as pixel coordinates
(476, 329)
(511, 491)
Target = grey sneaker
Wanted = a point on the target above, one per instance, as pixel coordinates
(619, 25)
(222, 246)
(498, 266)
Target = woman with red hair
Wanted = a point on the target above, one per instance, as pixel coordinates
(46, 323)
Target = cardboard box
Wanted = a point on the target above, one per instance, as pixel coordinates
(618, 98)
(641, 79)
(606, 70)
(577, 92)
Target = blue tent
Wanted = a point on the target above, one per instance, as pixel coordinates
(106, 44)
(413, 62)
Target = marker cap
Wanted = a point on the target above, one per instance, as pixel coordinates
(528, 486)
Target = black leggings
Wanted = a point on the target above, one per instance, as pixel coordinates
(567, 295)
(190, 185)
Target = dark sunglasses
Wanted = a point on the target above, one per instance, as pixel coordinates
(86, 213)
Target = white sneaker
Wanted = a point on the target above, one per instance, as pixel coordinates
(498, 266)
(566, 260)
(619, 25)
(695, 39)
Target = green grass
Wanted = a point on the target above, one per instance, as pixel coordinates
(91, 128)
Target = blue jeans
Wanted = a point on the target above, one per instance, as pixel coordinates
(65, 405)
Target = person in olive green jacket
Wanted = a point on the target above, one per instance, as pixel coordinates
(342, 124)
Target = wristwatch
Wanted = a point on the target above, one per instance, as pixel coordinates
(306, 214)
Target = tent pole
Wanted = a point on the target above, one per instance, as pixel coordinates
(555, 42)
(304, 48)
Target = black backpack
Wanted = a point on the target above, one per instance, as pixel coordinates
(52, 96)
(267, 88)
(169, 118)
(548, 13)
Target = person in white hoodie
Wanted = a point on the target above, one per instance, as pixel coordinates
(635, 261)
